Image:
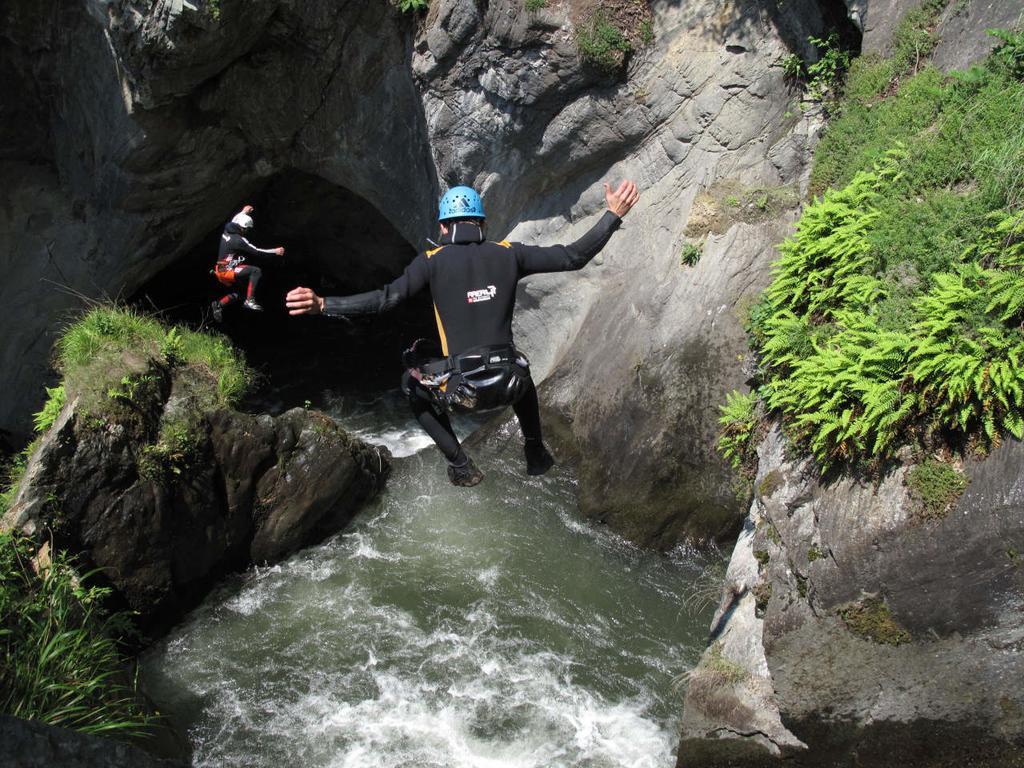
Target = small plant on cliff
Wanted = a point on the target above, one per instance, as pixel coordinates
(59, 660)
(412, 6)
(602, 44)
(1008, 56)
(738, 420)
(690, 253)
(44, 419)
(826, 74)
(534, 5)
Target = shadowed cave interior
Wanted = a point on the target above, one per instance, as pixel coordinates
(336, 243)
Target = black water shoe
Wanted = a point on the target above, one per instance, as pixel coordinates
(538, 460)
(465, 474)
(253, 305)
(218, 311)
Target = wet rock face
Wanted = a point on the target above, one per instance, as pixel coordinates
(155, 122)
(31, 744)
(164, 518)
(878, 631)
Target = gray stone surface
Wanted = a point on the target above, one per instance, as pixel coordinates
(954, 585)
(31, 744)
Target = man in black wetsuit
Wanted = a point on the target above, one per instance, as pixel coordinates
(232, 270)
(473, 284)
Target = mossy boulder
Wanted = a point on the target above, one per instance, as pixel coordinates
(151, 475)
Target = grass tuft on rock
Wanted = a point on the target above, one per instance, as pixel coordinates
(59, 657)
(88, 348)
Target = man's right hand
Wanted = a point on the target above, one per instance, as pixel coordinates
(279, 250)
(621, 199)
(302, 301)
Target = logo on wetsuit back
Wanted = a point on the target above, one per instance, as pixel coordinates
(484, 294)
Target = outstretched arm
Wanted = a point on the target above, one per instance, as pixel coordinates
(563, 258)
(303, 301)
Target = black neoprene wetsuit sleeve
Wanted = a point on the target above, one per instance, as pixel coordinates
(407, 284)
(563, 258)
(244, 246)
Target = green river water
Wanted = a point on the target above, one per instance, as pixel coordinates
(484, 627)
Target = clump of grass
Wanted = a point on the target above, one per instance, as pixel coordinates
(534, 5)
(88, 349)
(602, 44)
(717, 665)
(60, 659)
(936, 485)
(872, 620)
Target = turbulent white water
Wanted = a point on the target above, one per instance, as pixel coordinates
(478, 627)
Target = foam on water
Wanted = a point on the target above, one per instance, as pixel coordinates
(447, 627)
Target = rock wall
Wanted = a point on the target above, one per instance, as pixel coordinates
(31, 744)
(854, 627)
(163, 117)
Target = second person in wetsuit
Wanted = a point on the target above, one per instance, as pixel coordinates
(473, 285)
(232, 268)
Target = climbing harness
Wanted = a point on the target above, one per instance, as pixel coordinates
(478, 379)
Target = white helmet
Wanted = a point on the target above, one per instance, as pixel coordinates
(244, 220)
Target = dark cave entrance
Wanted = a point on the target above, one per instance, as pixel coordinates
(335, 243)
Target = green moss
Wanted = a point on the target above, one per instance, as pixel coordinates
(801, 585)
(814, 553)
(762, 557)
(872, 620)
(762, 593)
(936, 485)
(770, 483)
(534, 5)
(175, 451)
(773, 535)
(717, 665)
(1013, 556)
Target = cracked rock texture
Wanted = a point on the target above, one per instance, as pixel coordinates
(865, 634)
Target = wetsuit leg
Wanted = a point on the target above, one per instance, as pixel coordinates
(438, 426)
(230, 299)
(253, 275)
(527, 410)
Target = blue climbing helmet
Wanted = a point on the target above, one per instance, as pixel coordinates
(461, 203)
